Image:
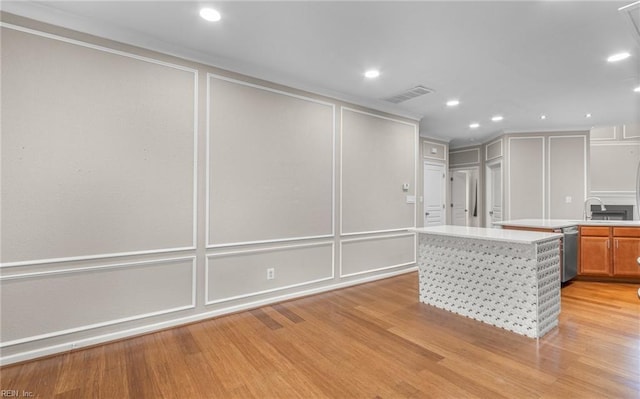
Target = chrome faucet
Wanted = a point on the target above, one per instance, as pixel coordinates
(587, 215)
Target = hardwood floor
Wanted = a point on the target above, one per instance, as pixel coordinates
(370, 341)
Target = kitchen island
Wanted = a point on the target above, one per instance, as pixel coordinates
(608, 250)
(568, 244)
(506, 278)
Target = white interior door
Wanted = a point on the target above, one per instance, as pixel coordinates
(460, 198)
(494, 193)
(434, 194)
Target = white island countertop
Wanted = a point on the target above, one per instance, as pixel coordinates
(519, 236)
(562, 223)
(540, 223)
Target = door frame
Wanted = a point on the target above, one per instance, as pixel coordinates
(475, 169)
(443, 190)
(488, 189)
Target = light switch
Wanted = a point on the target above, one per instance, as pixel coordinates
(405, 187)
(411, 199)
(568, 199)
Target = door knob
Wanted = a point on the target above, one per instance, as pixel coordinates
(638, 260)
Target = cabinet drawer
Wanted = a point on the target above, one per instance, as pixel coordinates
(596, 231)
(626, 232)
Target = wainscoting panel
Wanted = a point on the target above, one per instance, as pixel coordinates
(111, 150)
(431, 150)
(378, 158)
(567, 176)
(370, 254)
(466, 157)
(44, 304)
(622, 158)
(526, 183)
(241, 274)
(493, 150)
(270, 164)
(98, 151)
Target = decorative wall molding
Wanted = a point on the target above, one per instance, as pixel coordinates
(375, 238)
(261, 250)
(362, 233)
(195, 149)
(68, 339)
(415, 181)
(616, 143)
(613, 155)
(627, 137)
(630, 194)
(543, 174)
(90, 269)
(493, 143)
(95, 47)
(109, 337)
(92, 257)
(425, 154)
(211, 76)
(476, 162)
(613, 129)
(585, 156)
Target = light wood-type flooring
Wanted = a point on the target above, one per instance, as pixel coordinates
(370, 341)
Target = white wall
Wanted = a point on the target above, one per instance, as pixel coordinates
(546, 175)
(142, 191)
(615, 154)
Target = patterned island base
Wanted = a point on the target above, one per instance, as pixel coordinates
(506, 278)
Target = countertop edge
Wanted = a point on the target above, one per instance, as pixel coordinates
(491, 234)
(562, 223)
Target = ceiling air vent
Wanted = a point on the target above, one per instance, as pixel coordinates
(409, 94)
(633, 12)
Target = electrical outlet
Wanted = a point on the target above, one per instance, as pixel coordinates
(271, 273)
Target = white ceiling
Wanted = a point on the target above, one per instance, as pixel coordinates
(519, 59)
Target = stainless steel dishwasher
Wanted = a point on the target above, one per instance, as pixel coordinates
(569, 252)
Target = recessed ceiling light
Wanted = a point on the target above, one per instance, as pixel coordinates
(497, 118)
(618, 57)
(210, 14)
(637, 89)
(452, 103)
(588, 116)
(543, 117)
(474, 125)
(372, 73)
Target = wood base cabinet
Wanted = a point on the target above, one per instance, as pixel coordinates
(609, 251)
(626, 251)
(595, 251)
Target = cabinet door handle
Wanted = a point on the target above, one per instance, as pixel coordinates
(617, 244)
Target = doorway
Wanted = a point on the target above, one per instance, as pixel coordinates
(465, 205)
(434, 194)
(493, 192)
